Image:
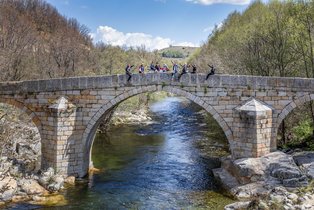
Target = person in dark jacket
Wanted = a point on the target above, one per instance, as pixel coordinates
(211, 71)
(184, 70)
(128, 70)
(157, 67)
(194, 69)
(152, 67)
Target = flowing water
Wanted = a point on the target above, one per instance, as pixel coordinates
(153, 166)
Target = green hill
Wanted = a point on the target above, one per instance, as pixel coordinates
(180, 52)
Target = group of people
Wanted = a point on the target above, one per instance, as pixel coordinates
(158, 68)
(175, 69)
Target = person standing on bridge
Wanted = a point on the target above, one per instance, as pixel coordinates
(128, 70)
(152, 67)
(157, 67)
(141, 69)
(194, 69)
(184, 70)
(211, 72)
(174, 69)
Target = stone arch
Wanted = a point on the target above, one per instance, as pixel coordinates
(91, 128)
(291, 106)
(34, 118)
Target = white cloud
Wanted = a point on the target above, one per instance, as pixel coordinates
(112, 36)
(209, 2)
(211, 28)
(186, 44)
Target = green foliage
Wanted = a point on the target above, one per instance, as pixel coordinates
(268, 39)
(303, 131)
(37, 42)
(140, 101)
(157, 96)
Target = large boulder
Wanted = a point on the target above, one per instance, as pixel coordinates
(31, 187)
(247, 191)
(274, 165)
(56, 183)
(8, 188)
(305, 160)
(249, 177)
(46, 177)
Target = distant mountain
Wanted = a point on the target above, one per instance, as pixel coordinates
(177, 52)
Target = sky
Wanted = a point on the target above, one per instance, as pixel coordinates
(156, 24)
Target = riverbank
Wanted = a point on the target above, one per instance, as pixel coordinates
(274, 181)
(135, 117)
(21, 179)
(136, 109)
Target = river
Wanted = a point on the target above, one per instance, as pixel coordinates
(161, 165)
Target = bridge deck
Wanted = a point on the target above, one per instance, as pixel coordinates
(98, 82)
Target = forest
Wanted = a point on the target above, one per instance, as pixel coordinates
(267, 39)
(36, 42)
(273, 39)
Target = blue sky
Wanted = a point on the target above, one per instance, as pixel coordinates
(153, 23)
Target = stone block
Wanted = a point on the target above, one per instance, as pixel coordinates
(30, 86)
(165, 79)
(136, 79)
(185, 79)
(104, 81)
(193, 79)
(122, 80)
(213, 81)
(42, 85)
(226, 80)
(299, 83)
(83, 83)
(241, 81)
(201, 79)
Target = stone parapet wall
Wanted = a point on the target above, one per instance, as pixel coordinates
(228, 81)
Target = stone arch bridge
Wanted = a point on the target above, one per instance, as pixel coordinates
(68, 111)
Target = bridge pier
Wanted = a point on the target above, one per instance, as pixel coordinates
(252, 129)
(58, 144)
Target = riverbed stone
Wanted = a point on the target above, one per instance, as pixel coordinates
(56, 183)
(238, 205)
(31, 187)
(70, 180)
(257, 176)
(8, 187)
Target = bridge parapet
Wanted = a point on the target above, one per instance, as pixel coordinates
(188, 80)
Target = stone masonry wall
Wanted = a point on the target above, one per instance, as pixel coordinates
(67, 136)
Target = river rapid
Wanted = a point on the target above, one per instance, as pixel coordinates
(165, 164)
